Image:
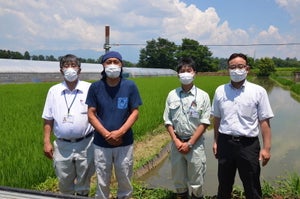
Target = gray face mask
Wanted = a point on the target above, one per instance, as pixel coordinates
(238, 75)
(70, 74)
(112, 71)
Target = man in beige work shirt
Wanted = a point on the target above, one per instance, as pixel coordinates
(186, 117)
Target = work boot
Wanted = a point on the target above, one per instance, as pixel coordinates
(183, 195)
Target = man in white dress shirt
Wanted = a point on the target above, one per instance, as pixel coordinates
(65, 114)
(241, 111)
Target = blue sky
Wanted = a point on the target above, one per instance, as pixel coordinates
(58, 27)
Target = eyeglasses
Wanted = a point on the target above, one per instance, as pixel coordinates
(70, 64)
(239, 66)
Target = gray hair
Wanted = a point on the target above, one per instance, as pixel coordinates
(69, 58)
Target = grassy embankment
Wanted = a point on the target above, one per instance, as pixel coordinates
(285, 78)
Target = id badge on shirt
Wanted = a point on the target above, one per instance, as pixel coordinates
(193, 113)
(68, 118)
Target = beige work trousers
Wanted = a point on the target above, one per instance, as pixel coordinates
(188, 170)
(74, 165)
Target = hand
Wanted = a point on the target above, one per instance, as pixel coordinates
(48, 150)
(185, 148)
(215, 146)
(113, 138)
(182, 147)
(264, 156)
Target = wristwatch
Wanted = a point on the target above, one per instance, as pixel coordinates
(190, 145)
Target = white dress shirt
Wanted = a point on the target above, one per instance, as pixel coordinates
(68, 110)
(241, 109)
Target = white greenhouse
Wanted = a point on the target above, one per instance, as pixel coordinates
(13, 70)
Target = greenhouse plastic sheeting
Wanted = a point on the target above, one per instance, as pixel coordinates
(29, 66)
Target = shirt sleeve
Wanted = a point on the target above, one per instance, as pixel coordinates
(47, 112)
(206, 111)
(166, 114)
(91, 96)
(264, 107)
(135, 100)
(215, 110)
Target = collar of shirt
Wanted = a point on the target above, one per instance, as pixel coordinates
(243, 86)
(78, 87)
(192, 91)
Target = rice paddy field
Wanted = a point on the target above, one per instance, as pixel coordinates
(22, 162)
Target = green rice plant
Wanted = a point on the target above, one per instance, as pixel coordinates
(141, 192)
(294, 185)
(288, 186)
(23, 163)
(154, 91)
(238, 192)
(210, 83)
(283, 81)
(295, 88)
(267, 189)
(49, 185)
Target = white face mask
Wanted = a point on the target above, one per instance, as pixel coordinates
(186, 78)
(238, 75)
(112, 71)
(70, 74)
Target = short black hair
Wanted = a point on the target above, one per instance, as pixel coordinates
(235, 55)
(186, 61)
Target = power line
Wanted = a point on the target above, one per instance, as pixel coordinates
(128, 44)
(264, 44)
(221, 45)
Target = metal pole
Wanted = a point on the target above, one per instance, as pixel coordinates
(106, 45)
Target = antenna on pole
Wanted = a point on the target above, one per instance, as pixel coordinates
(106, 45)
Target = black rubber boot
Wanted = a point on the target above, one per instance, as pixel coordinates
(184, 195)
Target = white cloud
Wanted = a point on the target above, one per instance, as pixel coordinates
(292, 7)
(190, 22)
(65, 25)
(270, 34)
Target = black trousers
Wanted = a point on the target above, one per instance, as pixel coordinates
(240, 154)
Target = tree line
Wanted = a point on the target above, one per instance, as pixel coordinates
(7, 54)
(162, 53)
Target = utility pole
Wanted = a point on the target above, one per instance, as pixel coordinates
(106, 45)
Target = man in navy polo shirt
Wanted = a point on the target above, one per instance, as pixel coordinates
(112, 110)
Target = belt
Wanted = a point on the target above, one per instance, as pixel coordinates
(183, 139)
(238, 138)
(76, 139)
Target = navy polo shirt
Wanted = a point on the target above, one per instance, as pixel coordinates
(113, 105)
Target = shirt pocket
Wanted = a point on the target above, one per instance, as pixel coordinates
(247, 110)
(175, 112)
(83, 107)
